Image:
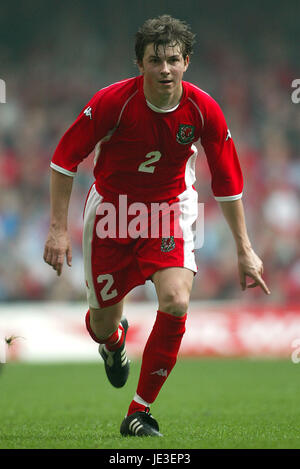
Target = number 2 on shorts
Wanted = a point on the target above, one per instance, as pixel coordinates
(108, 278)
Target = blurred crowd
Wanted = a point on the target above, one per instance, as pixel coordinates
(48, 87)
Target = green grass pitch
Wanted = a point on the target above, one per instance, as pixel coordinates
(205, 403)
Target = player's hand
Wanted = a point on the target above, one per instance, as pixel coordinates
(57, 247)
(250, 265)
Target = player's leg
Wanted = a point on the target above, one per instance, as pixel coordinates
(103, 319)
(107, 327)
(173, 286)
(170, 263)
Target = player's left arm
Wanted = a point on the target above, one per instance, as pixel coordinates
(249, 264)
(227, 186)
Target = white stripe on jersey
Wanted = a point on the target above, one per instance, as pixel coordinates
(190, 168)
(197, 107)
(92, 204)
(199, 89)
(122, 110)
(110, 133)
(188, 205)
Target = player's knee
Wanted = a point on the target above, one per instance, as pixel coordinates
(175, 302)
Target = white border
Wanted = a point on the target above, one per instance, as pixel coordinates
(62, 170)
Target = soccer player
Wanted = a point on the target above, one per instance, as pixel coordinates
(144, 131)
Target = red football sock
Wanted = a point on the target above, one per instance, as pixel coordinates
(136, 407)
(159, 357)
(113, 342)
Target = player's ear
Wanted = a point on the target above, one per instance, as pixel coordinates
(186, 62)
(141, 67)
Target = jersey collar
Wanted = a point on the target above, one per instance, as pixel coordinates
(158, 109)
(152, 106)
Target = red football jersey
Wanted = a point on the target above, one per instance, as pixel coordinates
(146, 152)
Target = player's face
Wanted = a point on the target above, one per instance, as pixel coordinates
(163, 71)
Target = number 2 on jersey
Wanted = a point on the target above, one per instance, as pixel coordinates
(148, 166)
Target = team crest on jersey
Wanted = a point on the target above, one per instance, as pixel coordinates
(167, 244)
(185, 133)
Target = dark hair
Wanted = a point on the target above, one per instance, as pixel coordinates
(162, 31)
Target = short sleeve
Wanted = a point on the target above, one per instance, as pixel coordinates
(222, 158)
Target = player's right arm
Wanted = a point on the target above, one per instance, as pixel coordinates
(94, 122)
(76, 144)
(58, 244)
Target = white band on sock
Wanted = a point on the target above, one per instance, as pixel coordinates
(141, 401)
(118, 339)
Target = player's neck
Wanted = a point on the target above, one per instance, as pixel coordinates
(163, 100)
